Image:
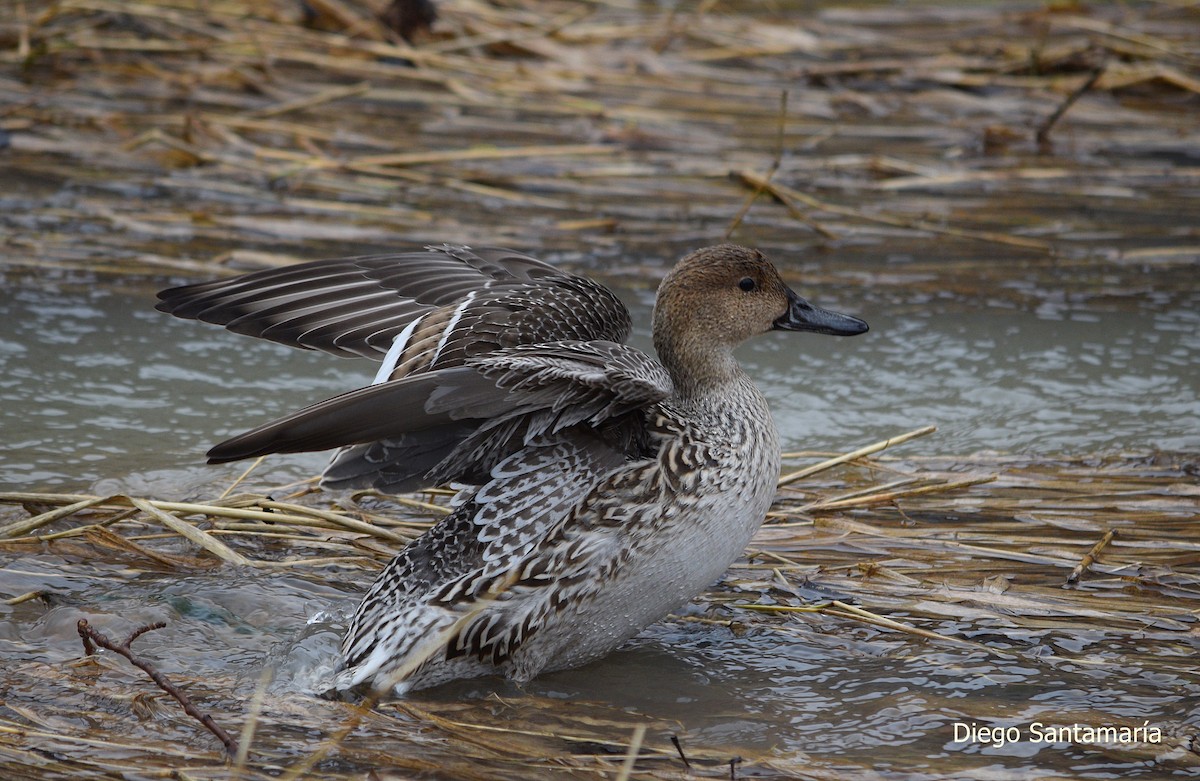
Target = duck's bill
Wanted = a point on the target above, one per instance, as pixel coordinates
(803, 316)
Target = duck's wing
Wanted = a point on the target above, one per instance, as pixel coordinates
(471, 417)
(415, 311)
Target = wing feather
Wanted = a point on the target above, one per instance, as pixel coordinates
(486, 410)
(357, 306)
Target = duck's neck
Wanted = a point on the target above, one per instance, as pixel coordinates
(697, 369)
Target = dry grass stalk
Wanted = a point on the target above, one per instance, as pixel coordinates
(861, 452)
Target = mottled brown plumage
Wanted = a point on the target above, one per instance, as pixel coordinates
(610, 488)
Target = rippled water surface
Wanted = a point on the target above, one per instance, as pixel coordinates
(98, 387)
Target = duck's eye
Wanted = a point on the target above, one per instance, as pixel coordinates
(747, 284)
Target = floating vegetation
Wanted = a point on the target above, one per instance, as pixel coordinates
(911, 547)
(549, 125)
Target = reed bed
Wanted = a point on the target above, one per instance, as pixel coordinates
(929, 553)
(189, 131)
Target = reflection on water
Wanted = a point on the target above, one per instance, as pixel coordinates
(96, 386)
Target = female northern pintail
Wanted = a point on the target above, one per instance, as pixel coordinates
(608, 488)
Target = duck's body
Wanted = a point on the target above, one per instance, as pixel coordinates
(611, 488)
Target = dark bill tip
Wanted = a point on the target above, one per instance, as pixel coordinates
(803, 316)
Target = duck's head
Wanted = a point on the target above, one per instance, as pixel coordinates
(718, 297)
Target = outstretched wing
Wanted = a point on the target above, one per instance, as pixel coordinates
(419, 313)
(474, 416)
(415, 310)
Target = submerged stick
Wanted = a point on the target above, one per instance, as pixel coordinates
(92, 638)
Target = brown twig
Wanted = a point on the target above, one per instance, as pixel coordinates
(775, 163)
(1043, 131)
(1090, 557)
(92, 638)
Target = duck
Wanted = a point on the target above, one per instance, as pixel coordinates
(601, 488)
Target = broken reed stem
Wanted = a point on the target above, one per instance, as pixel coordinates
(775, 163)
(241, 477)
(92, 638)
(841, 609)
(1090, 557)
(193, 533)
(324, 96)
(888, 496)
(764, 184)
(21, 598)
(863, 451)
(295, 515)
(21, 528)
(635, 745)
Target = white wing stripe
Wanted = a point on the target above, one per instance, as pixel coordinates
(395, 351)
(450, 326)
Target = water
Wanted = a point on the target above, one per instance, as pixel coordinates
(817, 695)
(98, 391)
(101, 393)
